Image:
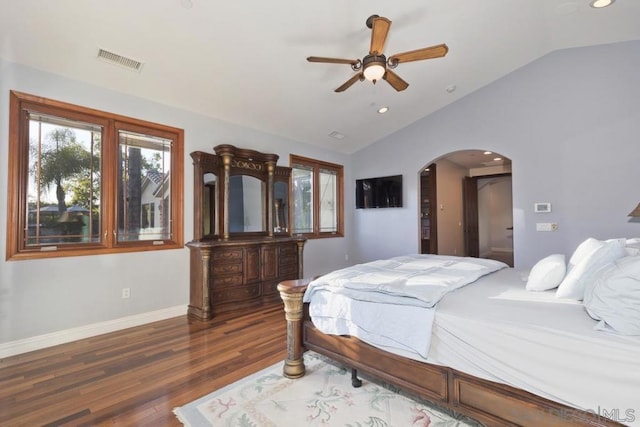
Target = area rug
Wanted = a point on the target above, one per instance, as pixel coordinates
(323, 397)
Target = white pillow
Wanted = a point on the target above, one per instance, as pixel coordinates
(547, 273)
(583, 250)
(631, 251)
(614, 297)
(633, 242)
(633, 246)
(574, 283)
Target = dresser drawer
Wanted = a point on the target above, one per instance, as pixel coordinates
(288, 269)
(228, 255)
(270, 288)
(292, 276)
(237, 293)
(227, 268)
(288, 255)
(227, 280)
(288, 252)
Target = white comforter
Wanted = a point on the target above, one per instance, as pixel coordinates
(395, 298)
(420, 280)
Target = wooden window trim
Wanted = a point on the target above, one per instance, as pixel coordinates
(20, 103)
(317, 165)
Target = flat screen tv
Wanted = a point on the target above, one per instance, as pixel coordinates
(382, 192)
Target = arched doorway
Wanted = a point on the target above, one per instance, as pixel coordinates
(466, 206)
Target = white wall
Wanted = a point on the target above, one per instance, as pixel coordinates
(46, 296)
(569, 122)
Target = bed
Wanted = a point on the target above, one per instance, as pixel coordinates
(497, 350)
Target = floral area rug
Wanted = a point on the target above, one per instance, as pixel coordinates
(323, 397)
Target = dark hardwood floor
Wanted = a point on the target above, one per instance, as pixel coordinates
(135, 377)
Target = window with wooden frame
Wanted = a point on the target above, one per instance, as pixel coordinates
(83, 181)
(317, 197)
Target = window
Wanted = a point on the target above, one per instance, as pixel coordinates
(83, 181)
(317, 195)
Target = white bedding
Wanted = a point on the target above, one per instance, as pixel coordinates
(347, 301)
(420, 280)
(404, 329)
(496, 330)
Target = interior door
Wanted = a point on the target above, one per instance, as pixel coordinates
(428, 211)
(470, 208)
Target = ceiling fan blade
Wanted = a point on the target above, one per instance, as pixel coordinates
(420, 54)
(332, 60)
(350, 82)
(379, 32)
(395, 81)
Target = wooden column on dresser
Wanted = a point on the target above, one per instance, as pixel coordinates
(242, 246)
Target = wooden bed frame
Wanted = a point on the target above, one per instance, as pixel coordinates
(491, 403)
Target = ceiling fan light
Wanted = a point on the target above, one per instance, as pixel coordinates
(374, 67)
(374, 72)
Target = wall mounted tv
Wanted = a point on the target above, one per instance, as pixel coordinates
(382, 192)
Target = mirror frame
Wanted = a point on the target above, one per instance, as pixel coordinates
(205, 163)
(229, 161)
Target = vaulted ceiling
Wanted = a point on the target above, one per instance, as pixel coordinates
(245, 61)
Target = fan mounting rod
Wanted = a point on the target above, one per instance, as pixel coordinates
(370, 21)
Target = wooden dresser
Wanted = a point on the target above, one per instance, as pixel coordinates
(242, 246)
(228, 275)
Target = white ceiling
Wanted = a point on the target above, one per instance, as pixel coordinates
(245, 61)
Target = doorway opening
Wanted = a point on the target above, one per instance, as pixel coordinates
(466, 206)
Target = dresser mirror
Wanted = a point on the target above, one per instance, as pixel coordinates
(209, 205)
(246, 204)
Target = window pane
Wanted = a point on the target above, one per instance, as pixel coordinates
(328, 201)
(72, 176)
(144, 196)
(302, 199)
(63, 189)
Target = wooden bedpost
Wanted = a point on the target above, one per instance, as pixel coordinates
(291, 292)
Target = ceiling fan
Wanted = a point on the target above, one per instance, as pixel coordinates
(375, 65)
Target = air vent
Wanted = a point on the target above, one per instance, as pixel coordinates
(114, 58)
(336, 135)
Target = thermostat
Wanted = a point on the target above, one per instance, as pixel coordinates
(542, 207)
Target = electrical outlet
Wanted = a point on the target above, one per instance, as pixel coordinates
(546, 226)
(126, 293)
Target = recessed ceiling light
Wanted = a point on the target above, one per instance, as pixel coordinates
(488, 152)
(336, 135)
(383, 110)
(601, 3)
(497, 159)
(451, 88)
